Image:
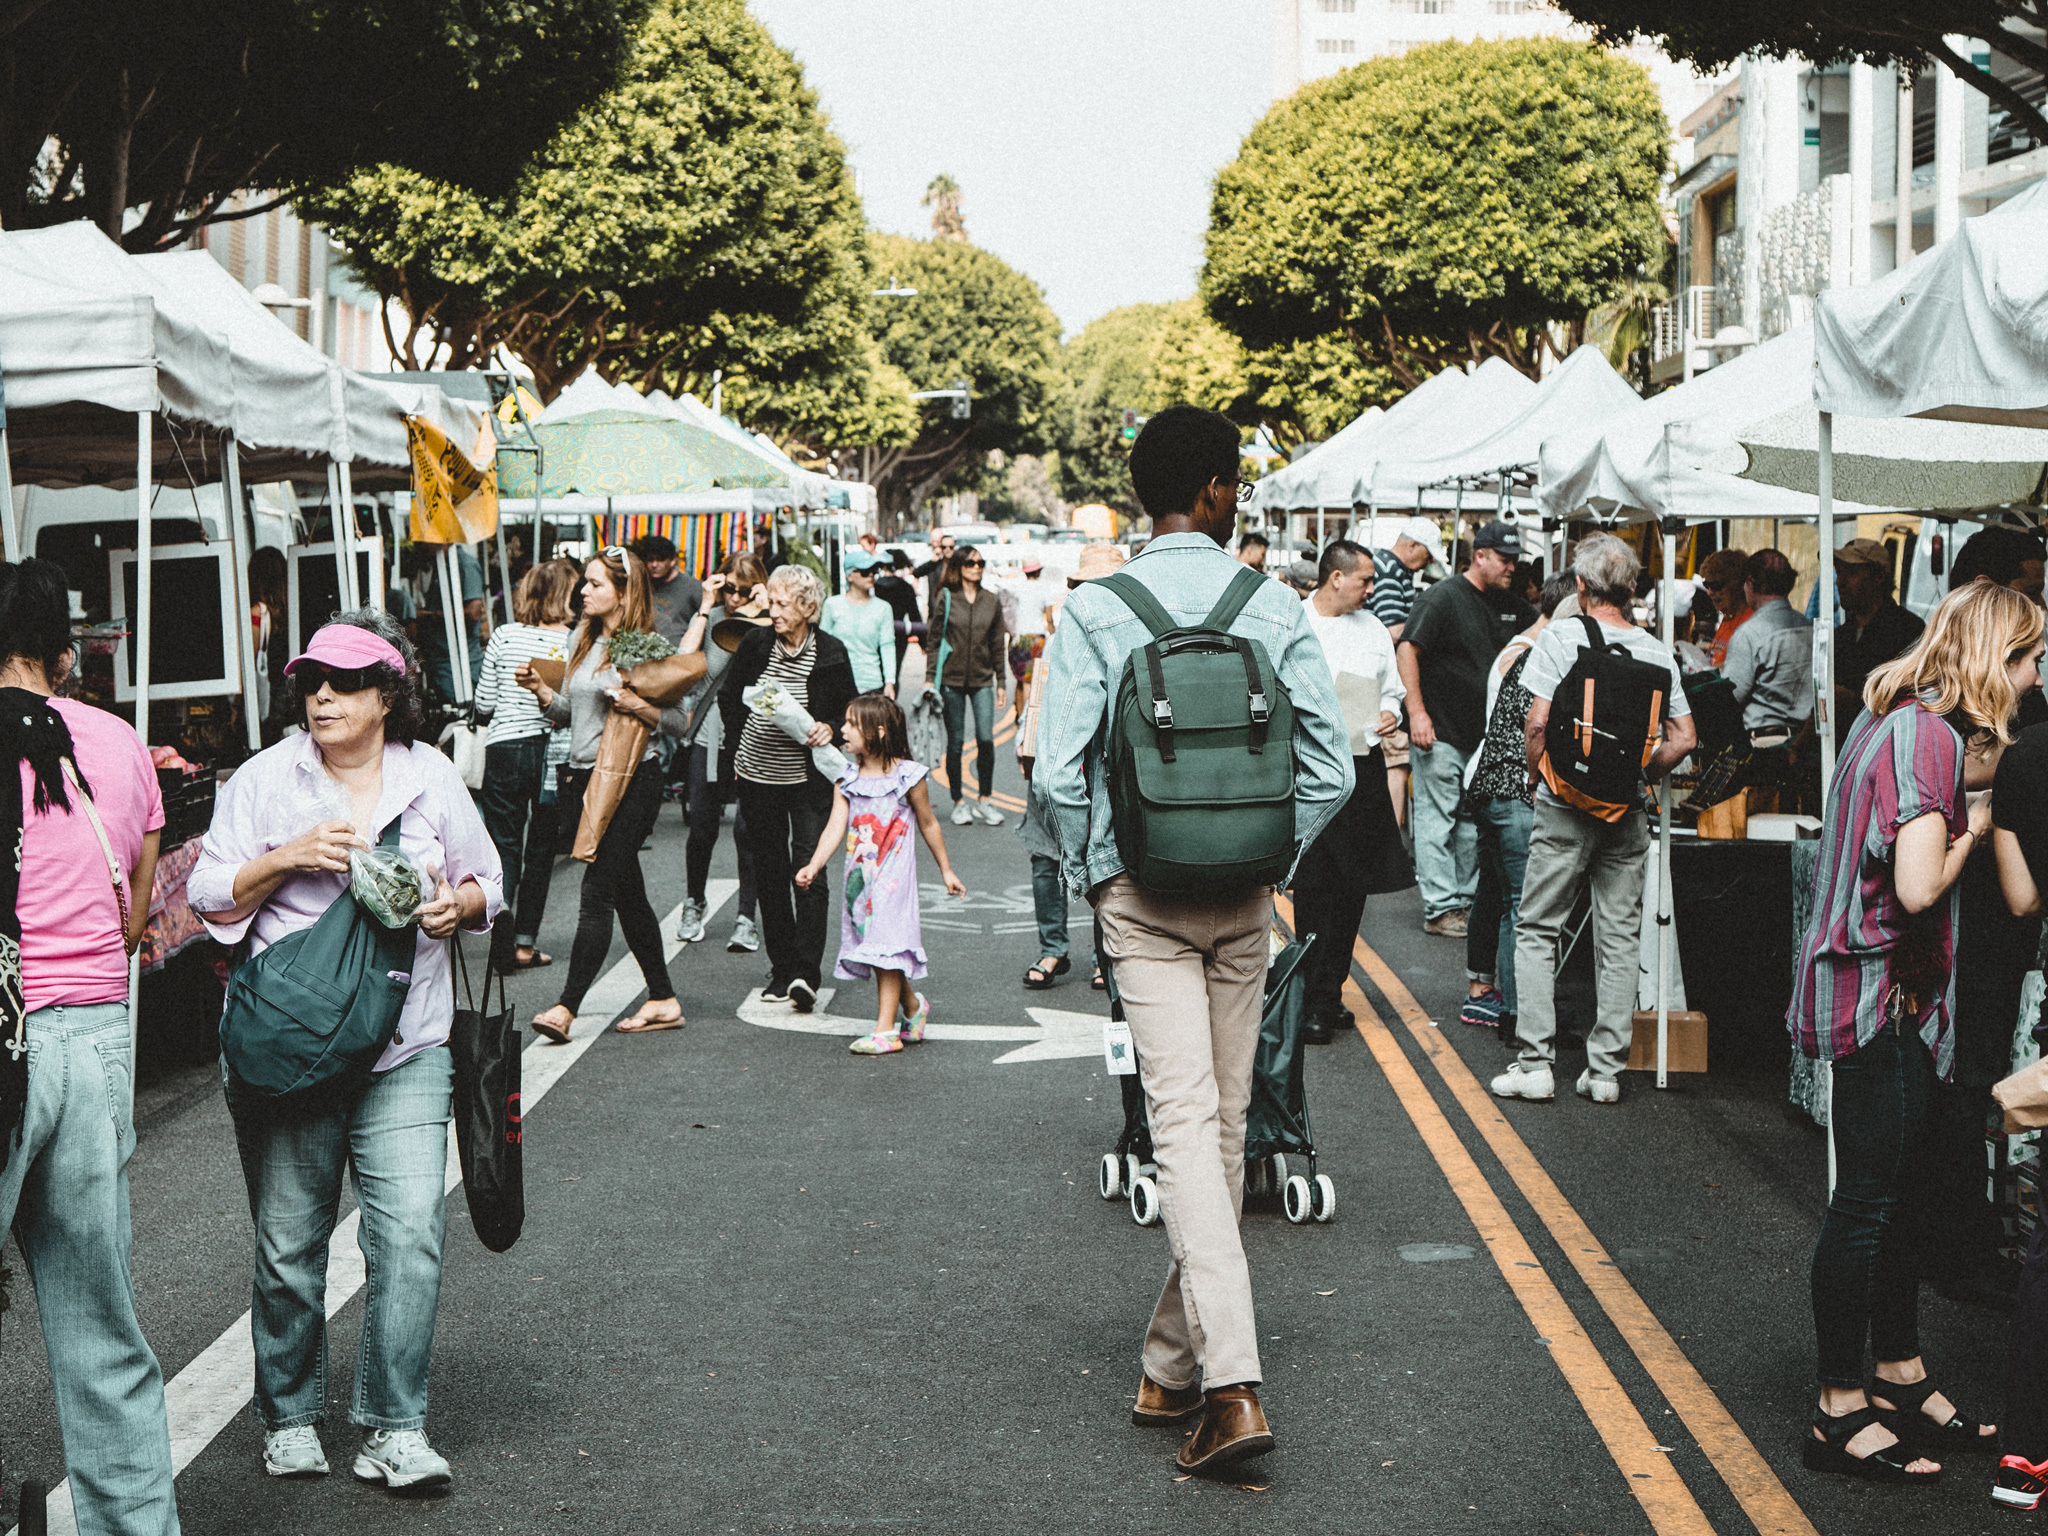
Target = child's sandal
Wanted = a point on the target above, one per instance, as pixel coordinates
(911, 1032)
(876, 1045)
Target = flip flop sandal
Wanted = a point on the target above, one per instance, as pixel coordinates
(533, 962)
(558, 1033)
(640, 1026)
(1039, 977)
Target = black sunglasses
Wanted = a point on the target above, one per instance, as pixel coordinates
(317, 675)
(966, 563)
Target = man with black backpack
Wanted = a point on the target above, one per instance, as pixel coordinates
(1610, 716)
(1190, 745)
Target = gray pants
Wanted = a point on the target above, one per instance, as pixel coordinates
(1446, 837)
(1570, 851)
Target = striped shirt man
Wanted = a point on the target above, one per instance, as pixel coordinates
(1860, 941)
(512, 711)
(1393, 589)
(768, 755)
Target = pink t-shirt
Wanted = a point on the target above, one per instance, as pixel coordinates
(71, 950)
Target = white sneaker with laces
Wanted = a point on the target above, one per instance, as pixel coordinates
(1525, 1082)
(989, 815)
(294, 1452)
(963, 813)
(746, 938)
(402, 1459)
(1601, 1090)
(691, 928)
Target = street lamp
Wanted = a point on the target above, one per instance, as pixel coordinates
(895, 291)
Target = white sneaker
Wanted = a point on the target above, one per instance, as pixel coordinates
(746, 938)
(691, 929)
(1525, 1082)
(1601, 1090)
(989, 815)
(401, 1458)
(294, 1452)
(963, 813)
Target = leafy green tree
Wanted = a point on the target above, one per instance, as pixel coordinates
(1461, 201)
(698, 217)
(1914, 33)
(977, 318)
(943, 198)
(171, 106)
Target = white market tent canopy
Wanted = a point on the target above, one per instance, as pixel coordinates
(1492, 394)
(1323, 476)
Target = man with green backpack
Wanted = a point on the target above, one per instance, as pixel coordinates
(1190, 746)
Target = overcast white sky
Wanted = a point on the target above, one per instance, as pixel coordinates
(1083, 133)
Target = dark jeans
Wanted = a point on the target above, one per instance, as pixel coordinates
(1866, 1282)
(984, 701)
(1329, 902)
(706, 805)
(784, 823)
(2024, 1431)
(515, 819)
(613, 883)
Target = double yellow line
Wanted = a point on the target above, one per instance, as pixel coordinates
(1665, 1499)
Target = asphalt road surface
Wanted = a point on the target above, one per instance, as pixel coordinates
(766, 1285)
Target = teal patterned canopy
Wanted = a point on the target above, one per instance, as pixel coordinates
(621, 453)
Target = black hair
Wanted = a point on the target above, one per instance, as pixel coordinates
(1253, 536)
(1340, 555)
(35, 614)
(1996, 554)
(883, 730)
(1180, 450)
(1771, 573)
(652, 546)
(407, 716)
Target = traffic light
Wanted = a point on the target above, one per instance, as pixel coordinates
(1130, 433)
(963, 405)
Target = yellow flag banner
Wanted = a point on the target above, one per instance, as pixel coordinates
(453, 502)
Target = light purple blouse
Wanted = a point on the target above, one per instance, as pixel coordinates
(282, 793)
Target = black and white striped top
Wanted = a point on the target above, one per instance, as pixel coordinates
(767, 753)
(513, 713)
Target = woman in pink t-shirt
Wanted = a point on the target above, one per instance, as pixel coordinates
(78, 792)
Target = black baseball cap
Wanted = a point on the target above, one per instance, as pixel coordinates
(1500, 536)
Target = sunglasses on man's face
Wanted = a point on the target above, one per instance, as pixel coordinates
(317, 675)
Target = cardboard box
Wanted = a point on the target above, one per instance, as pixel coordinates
(1685, 1042)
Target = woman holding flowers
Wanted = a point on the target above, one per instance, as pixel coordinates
(616, 605)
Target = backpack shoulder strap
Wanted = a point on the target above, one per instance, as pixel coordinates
(1594, 638)
(1139, 601)
(1242, 586)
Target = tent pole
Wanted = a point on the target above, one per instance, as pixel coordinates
(231, 484)
(452, 622)
(504, 573)
(143, 557)
(7, 499)
(1667, 624)
(357, 597)
(1824, 631)
(343, 565)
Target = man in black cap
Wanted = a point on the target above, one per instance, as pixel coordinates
(1453, 633)
(677, 594)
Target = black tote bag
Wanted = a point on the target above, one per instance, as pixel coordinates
(485, 1046)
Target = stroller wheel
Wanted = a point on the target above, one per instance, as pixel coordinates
(1144, 1202)
(1276, 1173)
(1297, 1199)
(1132, 1168)
(1109, 1178)
(1324, 1206)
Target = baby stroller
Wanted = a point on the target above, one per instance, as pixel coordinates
(1279, 1151)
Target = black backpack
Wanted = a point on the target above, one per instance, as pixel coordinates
(1605, 718)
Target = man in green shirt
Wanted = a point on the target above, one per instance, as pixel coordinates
(864, 624)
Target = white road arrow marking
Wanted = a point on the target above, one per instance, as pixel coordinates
(1056, 1036)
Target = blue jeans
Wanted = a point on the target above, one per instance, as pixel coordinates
(1503, 836)
(984, 701)
(395, 1136)
(1446, 843)
(1049, 903)
(65, 1190)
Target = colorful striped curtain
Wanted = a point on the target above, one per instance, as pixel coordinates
(702, 539)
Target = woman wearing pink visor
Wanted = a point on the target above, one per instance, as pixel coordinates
(275, 858)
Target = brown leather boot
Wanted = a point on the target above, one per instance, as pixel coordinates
(1164, 1405)
(1233, 1427)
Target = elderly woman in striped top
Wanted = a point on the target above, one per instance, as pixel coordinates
(516, 811)
(1874, 995)
(785, 799)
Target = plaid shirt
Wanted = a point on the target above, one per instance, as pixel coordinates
(1861, 941)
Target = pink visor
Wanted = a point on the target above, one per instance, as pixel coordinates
(345, 647)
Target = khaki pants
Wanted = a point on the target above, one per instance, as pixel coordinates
(1192, 978)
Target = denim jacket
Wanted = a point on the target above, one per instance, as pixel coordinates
(1187, 573)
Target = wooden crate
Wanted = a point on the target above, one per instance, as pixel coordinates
(1685, 1041)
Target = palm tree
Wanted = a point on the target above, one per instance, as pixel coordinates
(943, 198)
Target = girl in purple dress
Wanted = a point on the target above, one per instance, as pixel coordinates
(877, 798)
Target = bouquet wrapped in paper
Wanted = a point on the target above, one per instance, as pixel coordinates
(621, 747)
(793, 720)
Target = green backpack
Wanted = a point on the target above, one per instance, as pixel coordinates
(1200, 751)
(316, 1009)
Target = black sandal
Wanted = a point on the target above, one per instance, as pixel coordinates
(1097, 982)
(1887, 1464)
(1039, 977)
(1908, 1400)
